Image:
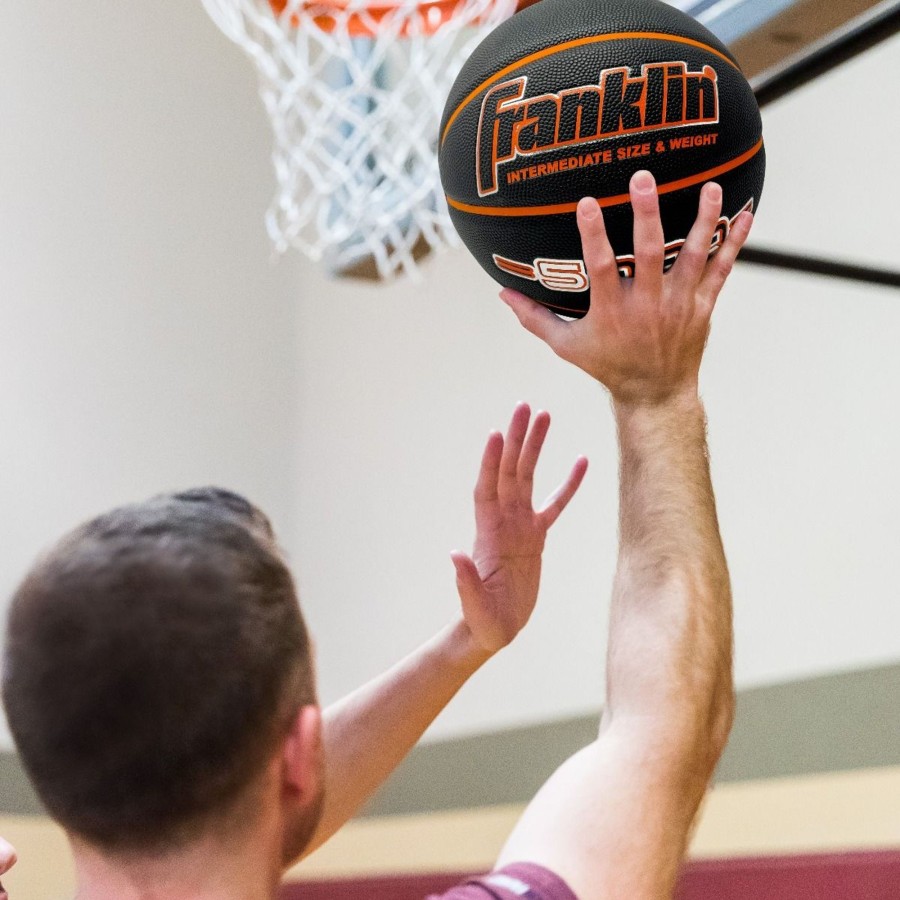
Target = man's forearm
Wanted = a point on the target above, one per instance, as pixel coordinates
(614, 819)
(369, 732)
(670, 634)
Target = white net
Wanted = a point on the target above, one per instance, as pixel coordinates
(355, 94)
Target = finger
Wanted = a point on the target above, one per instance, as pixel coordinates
(536, 318)
(693, 256)
(507, 487)
(486, 486)
(720, 266)
(531, 451)
(599, 258)
(559, 500)
(649, 249)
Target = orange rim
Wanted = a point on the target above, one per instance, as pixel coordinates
(433, 14)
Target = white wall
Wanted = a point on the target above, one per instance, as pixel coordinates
(149, 342)
(147, 337)
(400, 385)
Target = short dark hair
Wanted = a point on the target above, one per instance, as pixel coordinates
(154, 657)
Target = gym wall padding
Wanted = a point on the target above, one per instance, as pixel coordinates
(836, 876)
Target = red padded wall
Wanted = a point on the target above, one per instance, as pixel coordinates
(838, 876)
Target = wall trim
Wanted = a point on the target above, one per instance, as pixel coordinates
(831, 723)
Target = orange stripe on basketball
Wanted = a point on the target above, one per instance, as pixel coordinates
(616, 200)
(581, 42)
(513, 267)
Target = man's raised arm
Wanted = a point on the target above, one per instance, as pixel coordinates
(614, 820)
(368, 733)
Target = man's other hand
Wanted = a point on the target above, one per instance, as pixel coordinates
(498, 583)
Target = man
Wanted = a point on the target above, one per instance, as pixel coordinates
(158, 678)
(159, 684)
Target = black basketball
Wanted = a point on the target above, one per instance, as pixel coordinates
(569, 98)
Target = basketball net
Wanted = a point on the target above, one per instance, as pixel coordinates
(355, 92)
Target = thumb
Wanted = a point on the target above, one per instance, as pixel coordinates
(534, 317)
(467, 577)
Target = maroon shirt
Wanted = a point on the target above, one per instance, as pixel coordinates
(519, 881)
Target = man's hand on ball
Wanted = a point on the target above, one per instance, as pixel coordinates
(498, 583)
(642, 337)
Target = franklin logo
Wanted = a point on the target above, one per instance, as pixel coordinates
(665, 95)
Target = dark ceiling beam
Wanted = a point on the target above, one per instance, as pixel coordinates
(858, 35)
(815, 265)
(800, 25)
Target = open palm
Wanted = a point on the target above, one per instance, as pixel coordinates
(498, 584)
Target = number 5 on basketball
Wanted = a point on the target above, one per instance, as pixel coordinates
(555, 274)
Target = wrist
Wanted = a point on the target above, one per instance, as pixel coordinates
(683, 400)
(663, 422)
(461, 649)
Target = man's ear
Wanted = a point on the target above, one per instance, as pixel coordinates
(302, 755)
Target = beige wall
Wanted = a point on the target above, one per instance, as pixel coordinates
(44, 870)
(819, 813)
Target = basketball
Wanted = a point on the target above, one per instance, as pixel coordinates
(569, 98)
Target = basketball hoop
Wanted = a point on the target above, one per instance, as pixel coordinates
(355, 91)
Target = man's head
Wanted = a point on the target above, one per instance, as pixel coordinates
(156, 663)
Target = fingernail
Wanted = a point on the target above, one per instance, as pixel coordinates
(643, 182)
(589, 208)
(713, 191)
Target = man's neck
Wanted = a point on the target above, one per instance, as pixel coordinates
(209, 869)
